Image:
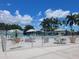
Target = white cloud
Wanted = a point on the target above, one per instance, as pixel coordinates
(56, 13)
(8, 18)
(26, 19)
(75, 13)
(40, 13)
(17, 12)
(41, 19)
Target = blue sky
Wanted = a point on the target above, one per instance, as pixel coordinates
(37, 8)
(32, 7)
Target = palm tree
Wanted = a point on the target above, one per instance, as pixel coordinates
(77, 18)
(71, 20)
(44, 24)
(49, 24)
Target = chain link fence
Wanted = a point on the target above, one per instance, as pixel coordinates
(9, 43)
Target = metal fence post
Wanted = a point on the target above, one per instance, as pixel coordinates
(3, 42)
(42, 40)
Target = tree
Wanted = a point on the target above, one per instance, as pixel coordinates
(71, 20)
(14, 26)
(77, 19)
(27, 27)
(49, 24)
(7, 27)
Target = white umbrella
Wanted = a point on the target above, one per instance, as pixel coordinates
(11, 31)
(15, 32)
(19, 31)
(60, 29)
(31, 30)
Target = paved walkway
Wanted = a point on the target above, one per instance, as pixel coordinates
(60, 52)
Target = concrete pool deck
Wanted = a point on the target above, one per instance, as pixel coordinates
(58, 52)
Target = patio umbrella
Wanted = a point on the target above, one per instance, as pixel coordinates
(31, 30)
(15, 32)
(60, 29)
(11, 31)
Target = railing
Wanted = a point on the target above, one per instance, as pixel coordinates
(9, 43)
